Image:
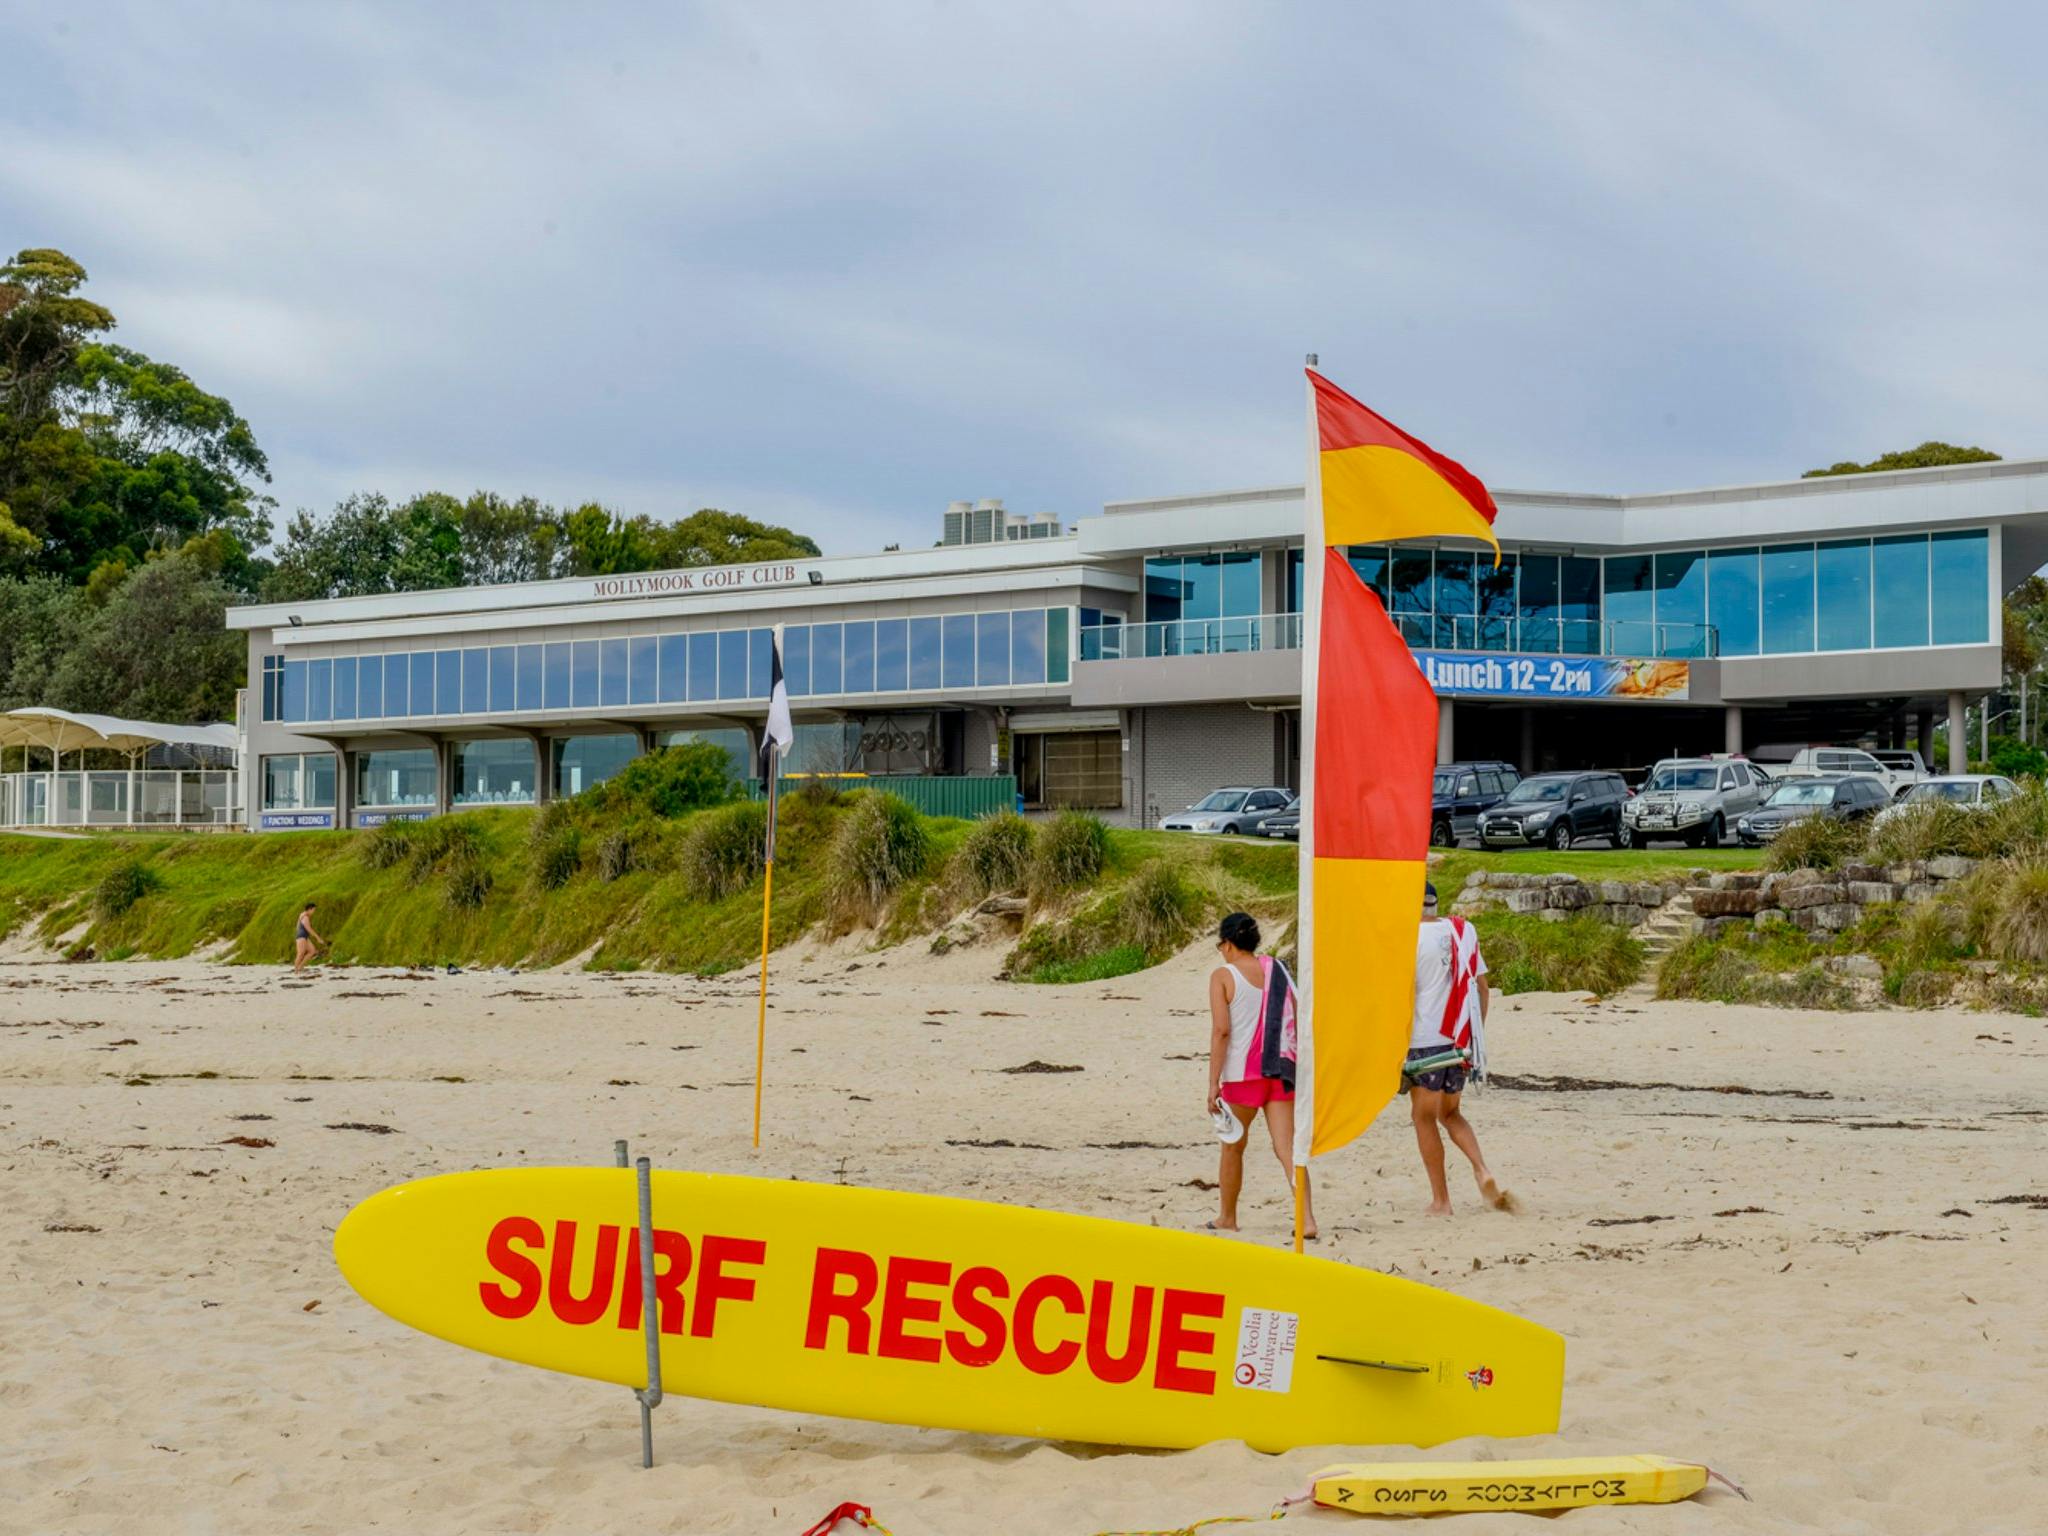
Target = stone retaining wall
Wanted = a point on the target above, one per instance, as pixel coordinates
(1556, 897)
(1810, 899)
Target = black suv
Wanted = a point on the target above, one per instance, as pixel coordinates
(1558, 809)
(1460, 793)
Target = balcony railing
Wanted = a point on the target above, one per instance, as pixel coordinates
(162, 797)
(1422, 631)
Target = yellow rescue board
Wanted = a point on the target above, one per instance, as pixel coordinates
(1459, 1487)
(953, 1314)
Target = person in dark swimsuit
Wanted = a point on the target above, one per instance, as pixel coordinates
(308, 938)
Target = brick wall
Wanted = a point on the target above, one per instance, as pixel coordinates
(1182, 753)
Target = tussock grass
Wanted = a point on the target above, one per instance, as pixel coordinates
(557, 856)
(1922, 832)
(725, 849)
(619, 854)
(1524, 953)
(881, 844)
(1072, 850)
(995, 855)
(1781, 970)
(1816, 842)
(2019, 931)
(123, 886)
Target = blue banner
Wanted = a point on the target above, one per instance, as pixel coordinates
(1453, 673)
(283, 821)
(378, 818)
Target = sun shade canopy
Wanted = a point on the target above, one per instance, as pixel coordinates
(60, 730)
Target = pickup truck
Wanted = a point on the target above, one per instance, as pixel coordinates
(1816, 762)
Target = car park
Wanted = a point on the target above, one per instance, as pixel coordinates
(1284, 824)
(1902, 770)
(1693, 800)
(1460, 793)
(1813, 762)
(1846, 797)
(1235, 809)
(1557, 810)
(1964, 791)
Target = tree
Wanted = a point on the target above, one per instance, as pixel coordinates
(155, 648)
(1929, 455)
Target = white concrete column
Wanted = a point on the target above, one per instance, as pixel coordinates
(1731, 740)
(1958, 735)
(1923, 725)
(1446, 737)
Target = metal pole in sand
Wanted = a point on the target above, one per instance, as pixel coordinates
(1300, 1200)
(650, 1321)
(767, 895)
(619, 1154)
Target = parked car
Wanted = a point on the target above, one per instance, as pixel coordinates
(1844, 796)
(1902, 770)
(1558, 809)
(1694, 800)
(1965, 791)
(1814, 762)
(1285, 823)
(1233, 810)
(1461, 793)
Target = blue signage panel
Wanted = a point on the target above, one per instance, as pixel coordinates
(378, 818)
(1553, 677)
(284, 821)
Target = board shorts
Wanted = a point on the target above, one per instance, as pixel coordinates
(1257, 1092)
(1442, 1080)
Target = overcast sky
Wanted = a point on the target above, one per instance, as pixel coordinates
(834, 265)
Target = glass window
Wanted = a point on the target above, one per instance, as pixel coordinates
(1898, 590)
(447, 683)
(554, 675)
(824, 747)
(643, 662)
(370, 688)
(611, 665)
(504, 678)
(1369, 560)
(319, 690)
(294, 690)
(959, 647)
(476, 680)
(1959, 572)
(1631, 605)
(1165, 590)
(1408, 581)
(736, 742)
(1056, 642)
(732, 664)
(796, 659)
(422, 699)
(1455, 597)
(857, 658)
(318, 782)
(583, 674)
(1495, 630)
(1537, 604)
(584, 762)
(344, 687)
(281, 783)
(992, 647)
(1241, 584)
(396, 670)
(1027, 646)
(924, 654)
(1201, 587)
(704, 665)
(1682, 603)
(1842, 588)
(269, 688)
(760, 657)
(825, 658)
(1579, 604)
(1294, 580)
(892, 655)
(493, 772)
(1788, 598)
(529, 691)
(1732, 599)
(675, 668)
(401, 777)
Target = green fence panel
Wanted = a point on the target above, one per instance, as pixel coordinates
(966, 798)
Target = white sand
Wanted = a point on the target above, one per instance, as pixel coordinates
(1866, 1351)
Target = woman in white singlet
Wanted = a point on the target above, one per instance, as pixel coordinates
(1237, 1017)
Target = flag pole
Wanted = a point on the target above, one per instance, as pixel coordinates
(767, 896)
(1304, 906)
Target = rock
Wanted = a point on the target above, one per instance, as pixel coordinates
(1557, 880)
(1772, 917)
(1835, 915)
(1789, 879)
(1922, 890)
(1791, 898)
(1553, 914)
(1949, 868)
(1855, 965)
(1526, 901)
(1710, 926)
(1727, 903)
(1626, 914)
(1913, 872)
(1864, 892)
(1570, 897)
(1648, 893)
(1616, 890)
(1860, 874)
(1735, 880)
(1802, 919)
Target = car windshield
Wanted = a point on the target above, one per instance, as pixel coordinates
(1539, 790)
(1444, 784)
(1681, 778)
(1935, 789)
(1804, 792)
(1222, 800)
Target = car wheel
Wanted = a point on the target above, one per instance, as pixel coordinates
(1561, 836)
(1440, 833)
(1624, 837)
(1232, 829)
(1717, 831)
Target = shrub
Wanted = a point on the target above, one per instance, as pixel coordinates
(469, 881)
(389, 845)
(557, 857)
(2020, 930)
(724, 849)
(123, 886)
(1071, 851)
(881, 843)
(1922, 832)
(1781, 971)
(443, 843)
(1121, 961)
(1580, 954)
(1817, 842)
(2014, 828)
(691, 776)
(995, 855)
(618, 855)
(1157, 911)
(547, 821)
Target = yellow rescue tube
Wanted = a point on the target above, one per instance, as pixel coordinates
(1459, 1487)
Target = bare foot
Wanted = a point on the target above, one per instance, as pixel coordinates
(1438, 1208)
(1491, 1192)
(1220, 1225)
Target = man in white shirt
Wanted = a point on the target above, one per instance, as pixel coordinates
(1451, 1000)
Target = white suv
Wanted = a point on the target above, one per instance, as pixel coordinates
(1812, 762)
(1695, 800)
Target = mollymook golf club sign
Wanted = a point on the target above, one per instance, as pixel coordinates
(711, 578)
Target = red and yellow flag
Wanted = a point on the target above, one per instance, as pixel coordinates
(1368, 750)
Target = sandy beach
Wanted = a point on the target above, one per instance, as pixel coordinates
(1785, 1244)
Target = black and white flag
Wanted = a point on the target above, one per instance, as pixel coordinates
(779, 734)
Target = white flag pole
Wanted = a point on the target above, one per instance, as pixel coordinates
(1304, 905)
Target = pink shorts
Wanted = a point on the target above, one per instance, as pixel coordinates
(1255, 1092)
